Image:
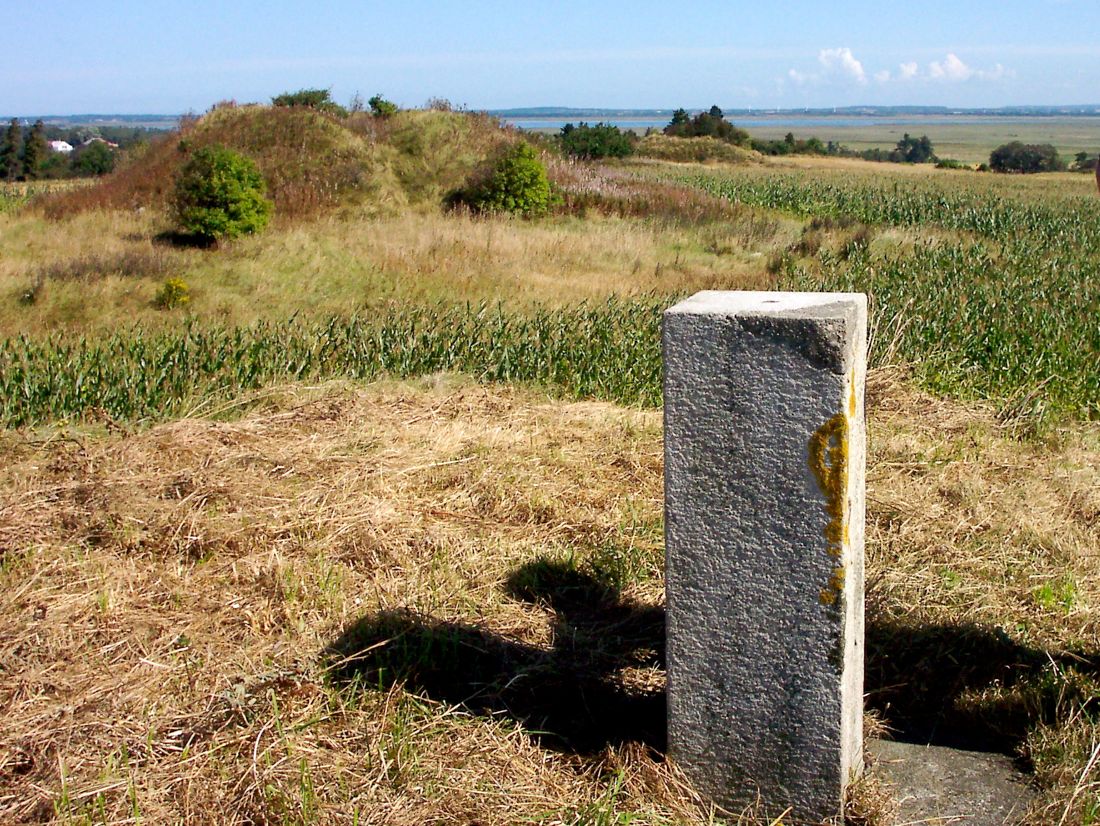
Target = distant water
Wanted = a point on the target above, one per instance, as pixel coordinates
(555, 124)
(782, 121)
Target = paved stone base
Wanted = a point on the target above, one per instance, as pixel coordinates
(936, 786)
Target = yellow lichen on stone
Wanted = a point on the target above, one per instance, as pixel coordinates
(829, 463)
(836, 586)
(852, 395)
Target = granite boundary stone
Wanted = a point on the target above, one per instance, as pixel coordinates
(764, 514)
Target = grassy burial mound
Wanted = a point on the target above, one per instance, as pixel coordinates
(694, 150)
(311, 160)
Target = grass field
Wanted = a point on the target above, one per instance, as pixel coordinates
(970, 141)
(180, 607)
(1002, 300)
(369, 530)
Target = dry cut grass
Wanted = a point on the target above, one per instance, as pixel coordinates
(984, 588)
(438, 602)
(183, 608)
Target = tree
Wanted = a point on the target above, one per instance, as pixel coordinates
(600, 141)
(94, 159)
(380, 107)
(1019, 157)
(220, 194)
(34, 151)
(706, 124)
(913, 150)
(1083, 162)
(10, 164)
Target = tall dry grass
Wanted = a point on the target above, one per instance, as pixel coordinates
(337, 265)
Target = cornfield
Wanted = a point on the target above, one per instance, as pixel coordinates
(609, 351)
(1005, 305)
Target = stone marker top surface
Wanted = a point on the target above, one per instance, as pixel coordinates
(745, 303)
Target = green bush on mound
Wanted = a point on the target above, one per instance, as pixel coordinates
(693, 150)
(319, 99)
(603, 140)
(516, 183)
(220, 194)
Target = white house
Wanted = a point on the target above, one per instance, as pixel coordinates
(61, 146)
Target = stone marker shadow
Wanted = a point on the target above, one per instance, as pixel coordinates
(925, 682)
(568, 697)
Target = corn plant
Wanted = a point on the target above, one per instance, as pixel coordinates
(609, 351)
(1007, 309)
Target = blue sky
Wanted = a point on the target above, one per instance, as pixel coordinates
(166, 56)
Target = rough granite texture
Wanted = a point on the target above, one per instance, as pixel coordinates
(764, 513)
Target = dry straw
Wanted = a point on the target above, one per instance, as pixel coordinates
(438, 602)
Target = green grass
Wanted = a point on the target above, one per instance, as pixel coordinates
(13, 196)
(1003, 304)
(987, 286)
(971, 141)
(610, 351)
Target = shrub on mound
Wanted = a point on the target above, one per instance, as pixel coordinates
(220, 194)
(693, 150)
(603, 140)
(319, 99)
(515, 183)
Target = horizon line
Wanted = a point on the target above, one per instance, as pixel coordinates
(613, 109)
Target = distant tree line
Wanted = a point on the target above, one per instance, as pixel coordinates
(26, 154)
(907, 150)
(607, 141)
(790, 145)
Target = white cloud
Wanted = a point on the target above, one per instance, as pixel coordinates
(951, 69)
(842, 61)
(996, 73)
(801, 78)
(841, 66)
(836, 65)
